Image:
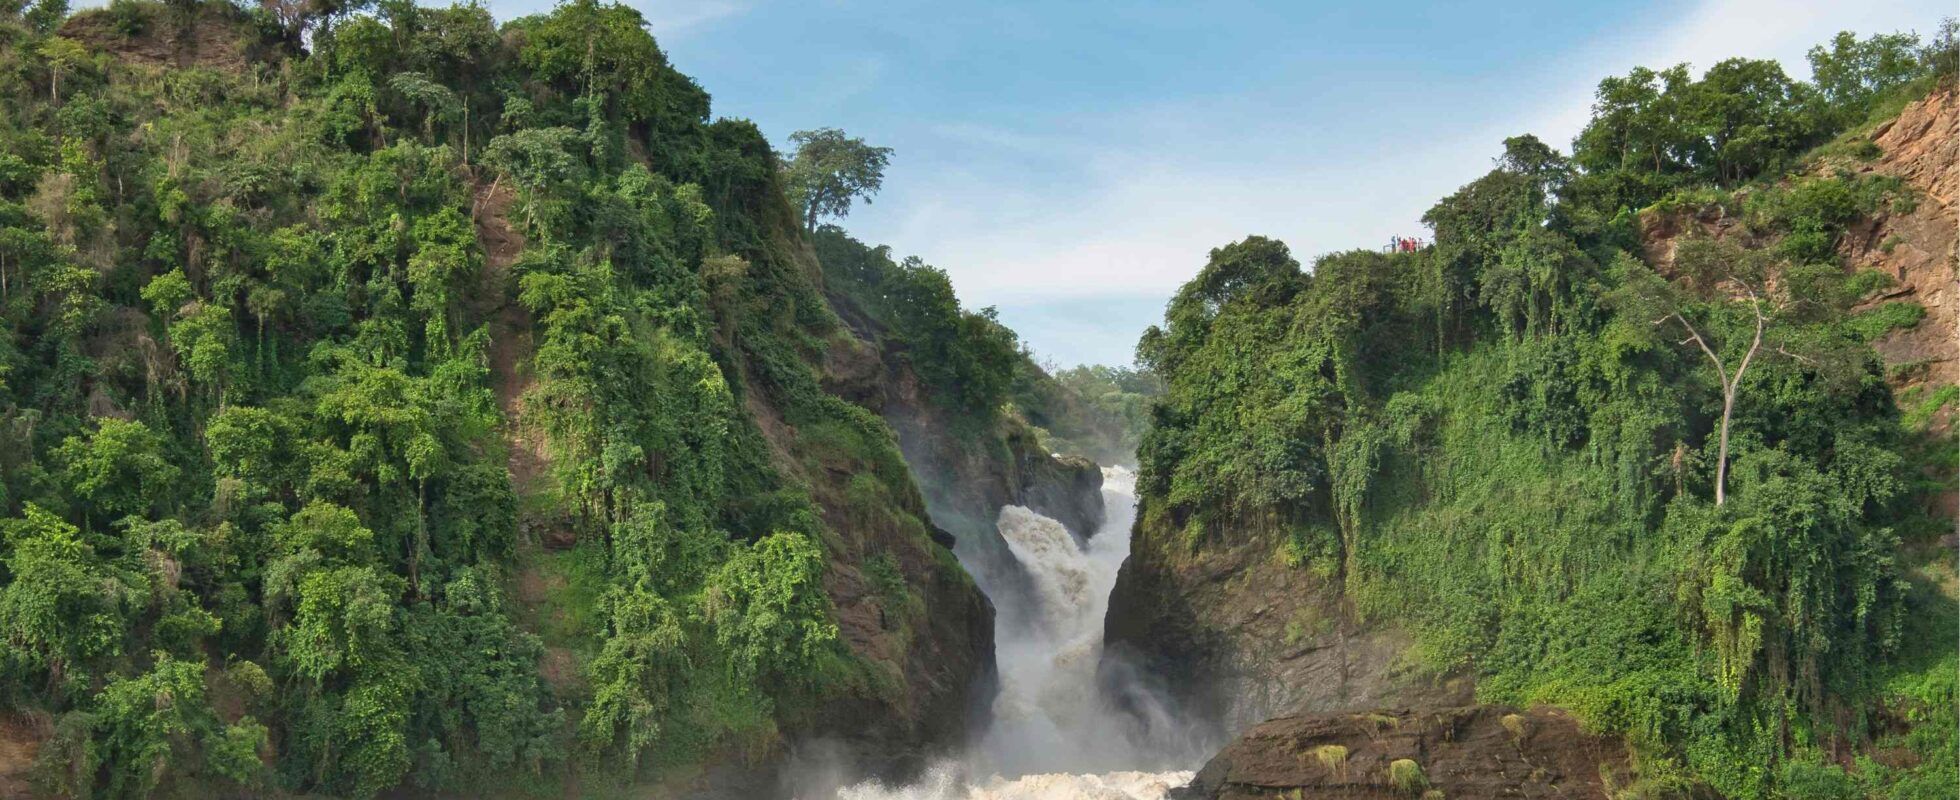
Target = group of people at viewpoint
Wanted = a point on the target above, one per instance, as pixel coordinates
(1403, 244)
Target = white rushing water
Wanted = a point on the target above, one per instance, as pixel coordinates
(1052, 736)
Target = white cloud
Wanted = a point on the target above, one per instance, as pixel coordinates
(1146, 212)
(1721, 29)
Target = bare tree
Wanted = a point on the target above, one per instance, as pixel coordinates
(1731, 382)
(1721, 296)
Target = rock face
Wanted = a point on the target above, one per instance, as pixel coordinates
(1239, 637)
(1463, 753)
(936, 661)
(220, 37)
(1067, 488)
(1917, 248)
(1921, 147)
(968, 476)
(942, 662)
(965, 475)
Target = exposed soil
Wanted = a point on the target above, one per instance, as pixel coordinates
(21, 736)
(219, 37)
(511, 345)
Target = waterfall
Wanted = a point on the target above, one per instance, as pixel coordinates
(1052, 735)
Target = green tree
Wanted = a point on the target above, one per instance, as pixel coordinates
(1723, 302)
(65, 608)
(119, 468)
(159, 727)
(64, 56)
(1738, 306)
(764, 612)
(1851, 72)
(1748, 116)
(830, 170)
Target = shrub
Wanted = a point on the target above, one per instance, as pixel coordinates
(1515, 724)
(1407, 776)
(1333, 757)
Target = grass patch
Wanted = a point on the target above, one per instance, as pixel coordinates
(1407, 776)
(1893, 315)
(1334, 758)
(1515, 724)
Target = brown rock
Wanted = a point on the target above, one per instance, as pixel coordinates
(1238, 636)
(1917, 248)
(1465, 753)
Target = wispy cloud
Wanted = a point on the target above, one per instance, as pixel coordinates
(1716, 30)
(1152, 189)
(670, 18)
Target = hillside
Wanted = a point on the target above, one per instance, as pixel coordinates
(410, 404)
(400, 402)
(1657, 433)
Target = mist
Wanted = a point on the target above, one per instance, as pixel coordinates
(1055, 730)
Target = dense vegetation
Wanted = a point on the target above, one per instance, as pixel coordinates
(1679, 501)
(1097, 411)
(967, 359)
(976, 368)
(302, 354)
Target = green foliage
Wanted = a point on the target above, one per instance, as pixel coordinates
(1892, 315)
(1851, 73)
(968, 359)
(65, 607)
(251, 347)
(1494, 445)
(1407, 776)
(1094, 411)
(1655, 132)
(148, 731)
(764, 612)
(829, 170)
(118, 469)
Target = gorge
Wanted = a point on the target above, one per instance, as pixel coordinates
(1051, 731)
(396, 401)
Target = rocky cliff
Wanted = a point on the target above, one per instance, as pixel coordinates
(933, 644)
(902, 604)
(1912, 243)
(1242, 630)
(1467, 753)
(966, 472)
(1239, 636)
(1917, 247)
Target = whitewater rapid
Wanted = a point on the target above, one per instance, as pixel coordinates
(1052, 735)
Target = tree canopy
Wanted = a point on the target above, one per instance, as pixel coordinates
(830, 170)
(305, 360)
(1669, 496)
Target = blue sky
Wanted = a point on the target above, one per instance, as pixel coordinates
(1072, 163)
